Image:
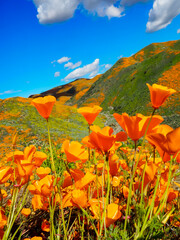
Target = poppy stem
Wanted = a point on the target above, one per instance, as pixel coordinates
(154, 153)
(133, 173)
(89, 150)
(51, 152)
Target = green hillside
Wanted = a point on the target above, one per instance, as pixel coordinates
(123, 87)
(17, 114)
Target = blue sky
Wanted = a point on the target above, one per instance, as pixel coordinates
(47, 43)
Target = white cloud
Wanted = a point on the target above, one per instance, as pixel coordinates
(70, 65)
(107, 66)
(63, 59)
(51, 11)
(113, 11)
(131, 2)
(56, 74)
(91, 69)
(178, 31)
(10, 92)
(162, 14)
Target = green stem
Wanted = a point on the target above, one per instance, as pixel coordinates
(62, 215)
(145, 224)
(165, 195)
(51, 152)
(142, 184)
(134, 170)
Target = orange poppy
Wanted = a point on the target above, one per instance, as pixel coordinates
(102, 139)
(169, 143)
(74, 151)
(42, 172)
(90, 113)
(76, 174)
(5, 174)
(45, 226)
(34, 238)
(113, 214)
(135, 126)
(79, 198)
(159, 94)
(84, 182)
(44, 105)
(3, 219)
(96, 206)
(43, 186)
(114, 164)
(39, 202)
(26, 211)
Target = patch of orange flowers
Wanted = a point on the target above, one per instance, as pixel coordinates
(104, 189)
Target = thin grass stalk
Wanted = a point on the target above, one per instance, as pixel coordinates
(104, 202)
(62, 215)
(11, 215)
(142, 184)
(89, 217)
(165, 195)
(97, 184)
(150, 208)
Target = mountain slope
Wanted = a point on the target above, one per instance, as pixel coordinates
(123, 87)
(74, 90)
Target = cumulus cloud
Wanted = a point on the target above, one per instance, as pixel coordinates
(10, 92)
(63, 59)
(113, 11)
(56, 74)
(91, 69)
(51, 11)
(162, 14)
(70, 65)
(178, 31)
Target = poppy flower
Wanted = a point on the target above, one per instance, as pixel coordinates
(44, 105)
(45, 226)
(169, 143)
(159, 94)
(102, 139)
(5, 174)
(26, 211)
(74, 151)
(135, 126)
(76, 174)
(96, 206)
(42, 172)
(79, 198)
(113, 214)
(84, 182)
(39, 202)
(90, 113)
(42, 187)
(3, 219)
